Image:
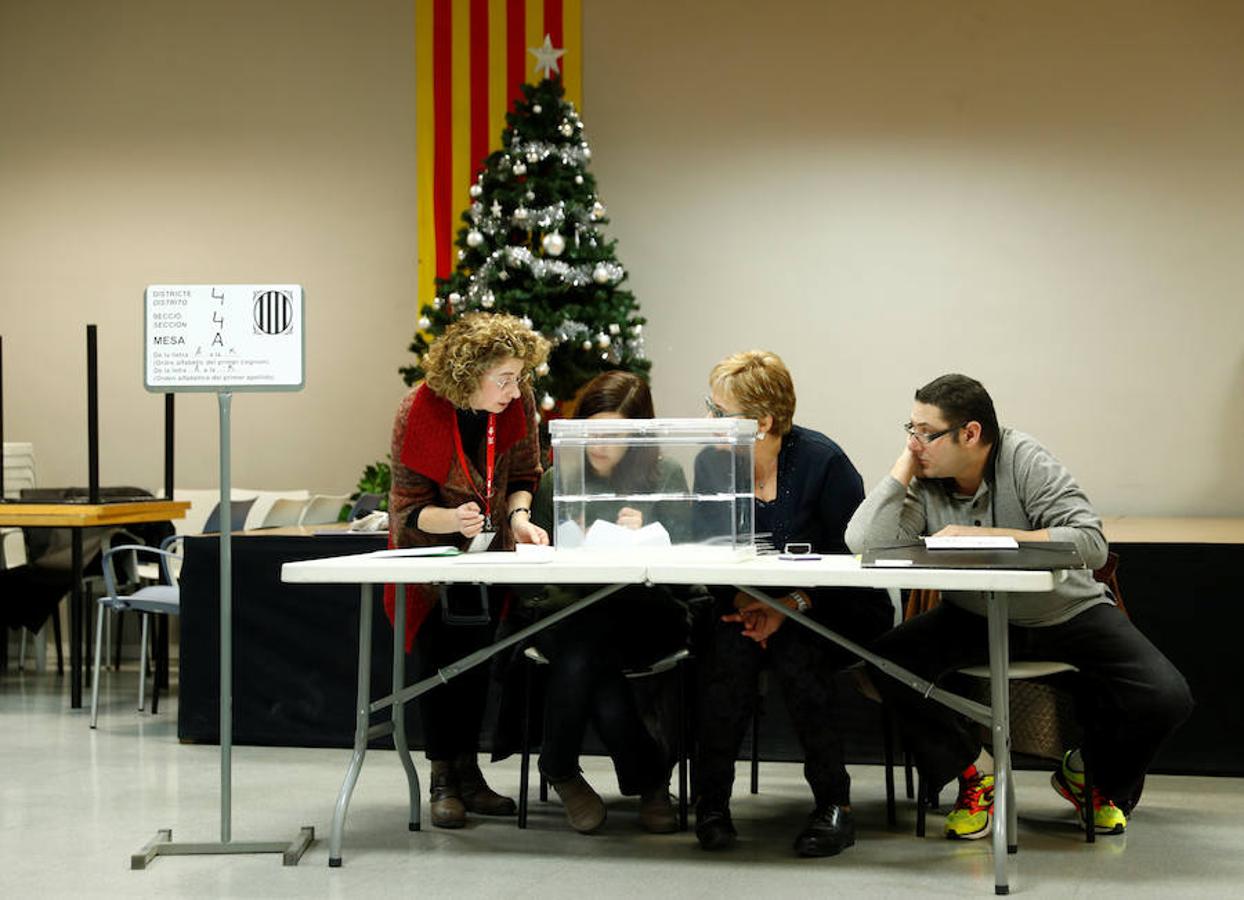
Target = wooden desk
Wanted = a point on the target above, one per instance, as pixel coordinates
(1173, 530)
(75, 517)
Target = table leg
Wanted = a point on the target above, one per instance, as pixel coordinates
(360, 728)
(75, 622)
(399, 706)
(1000, 689)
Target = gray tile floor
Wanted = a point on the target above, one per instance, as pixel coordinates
(74, 804)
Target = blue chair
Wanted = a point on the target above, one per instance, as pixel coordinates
(156, 599)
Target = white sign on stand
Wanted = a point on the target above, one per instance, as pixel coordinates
(223, 337)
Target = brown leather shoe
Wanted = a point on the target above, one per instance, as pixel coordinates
(448, 810)
(477, 796)
(656, 813)
(585, 811)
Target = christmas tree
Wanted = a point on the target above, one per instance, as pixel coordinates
(532, 246)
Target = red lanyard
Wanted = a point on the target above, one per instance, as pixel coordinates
(491, 454)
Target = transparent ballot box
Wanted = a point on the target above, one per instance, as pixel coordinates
(684, 484)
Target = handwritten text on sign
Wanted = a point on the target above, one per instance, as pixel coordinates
(224, 337)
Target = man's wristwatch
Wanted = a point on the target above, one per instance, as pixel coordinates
(801, 601)
(518, 509)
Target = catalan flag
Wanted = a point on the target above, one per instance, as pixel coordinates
(471, 56)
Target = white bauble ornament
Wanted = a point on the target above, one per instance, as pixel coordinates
(566, 129)
(537, 108)
(461, 255)
(553, 244)
(503, 275)
(530, 195)
(598, 210)
(602, 340)
(587, 152)
(587, 345)
(547, 402)
(455, 298)
(474, 238)
(533, 156)
(424, 323)
(600, 274)
(526, 320)
(437, 302)
(615, 328)
(520, 168)
(578, 179)
(476, 190)
(542, 369)
(520, 214)
(637, 329)
(487, 300)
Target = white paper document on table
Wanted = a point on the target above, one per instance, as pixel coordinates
(415, 551)
(972, 542)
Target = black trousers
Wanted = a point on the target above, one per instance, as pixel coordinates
(804, 665)
(588, 654)
(1130, 697)
(453, 713)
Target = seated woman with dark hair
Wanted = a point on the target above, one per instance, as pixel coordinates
(589, 652)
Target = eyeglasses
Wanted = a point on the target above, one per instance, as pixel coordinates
(718, 413)
(928, 437)
(506, 382)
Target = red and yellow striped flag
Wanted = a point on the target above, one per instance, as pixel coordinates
(471, 56)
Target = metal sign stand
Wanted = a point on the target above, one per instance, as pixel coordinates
(162, 844)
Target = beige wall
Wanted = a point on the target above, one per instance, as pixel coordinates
(1047, 196)
(199, 141)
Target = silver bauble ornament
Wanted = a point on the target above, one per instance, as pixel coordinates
(598, 210)
(602, 340)
(578, 179)
(474, 238)
(503, 275)
(476, 190)
(424, 323)
(587, 152)
(461, 255)
(566, 129)
(553, 244)
(587, 345)
(455, 298)
(542, 369)
(600, 274)
(547, 402)
(533, 156)
(537, 108)
(437, 302)
(520, 168)
(520, 214)
(487, 300)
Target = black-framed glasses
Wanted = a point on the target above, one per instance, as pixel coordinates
(718, 413)
(928, 437)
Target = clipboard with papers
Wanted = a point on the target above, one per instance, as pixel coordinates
(1027, 555)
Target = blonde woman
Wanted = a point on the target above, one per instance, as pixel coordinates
(806, 491)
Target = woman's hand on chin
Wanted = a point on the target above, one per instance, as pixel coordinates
(529, 533)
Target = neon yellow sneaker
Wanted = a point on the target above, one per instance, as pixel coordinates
(972, 815)
(1107, 818)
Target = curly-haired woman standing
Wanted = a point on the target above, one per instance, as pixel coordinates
(466, 459)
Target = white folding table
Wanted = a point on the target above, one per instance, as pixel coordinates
(613, 571)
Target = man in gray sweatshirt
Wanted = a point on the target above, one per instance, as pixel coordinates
(961, 474)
